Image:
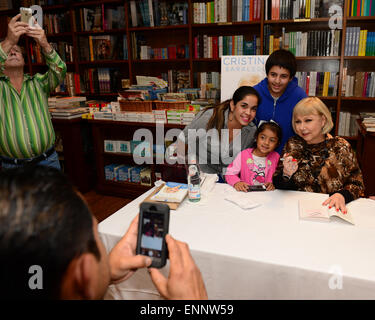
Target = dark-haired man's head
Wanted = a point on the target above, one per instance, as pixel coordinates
(284, 59)
(49, 243)
(281, 67)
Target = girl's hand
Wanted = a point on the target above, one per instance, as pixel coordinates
(241, 186)
(290, 165)
(269, 186)
(336, 200)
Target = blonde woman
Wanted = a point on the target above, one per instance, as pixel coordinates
(314, 161)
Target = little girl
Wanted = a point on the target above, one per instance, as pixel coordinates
(256, 166)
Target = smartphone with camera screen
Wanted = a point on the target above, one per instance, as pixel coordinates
(153, 226)
(27, 16)
(260, 187)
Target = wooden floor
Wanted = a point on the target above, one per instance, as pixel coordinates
(103, 206)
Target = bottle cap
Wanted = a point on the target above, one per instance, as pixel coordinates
(193, 170)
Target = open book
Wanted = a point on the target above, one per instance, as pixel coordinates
(313, 210)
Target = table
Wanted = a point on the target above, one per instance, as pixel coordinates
(265, 252)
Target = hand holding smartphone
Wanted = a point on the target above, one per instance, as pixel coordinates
(153, 226)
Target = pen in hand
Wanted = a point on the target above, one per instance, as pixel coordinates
(282, 159)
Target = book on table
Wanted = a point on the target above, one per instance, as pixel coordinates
(313, 210)
(171, 192)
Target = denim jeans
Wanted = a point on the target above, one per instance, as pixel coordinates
(51, 161)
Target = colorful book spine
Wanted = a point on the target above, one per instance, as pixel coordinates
(91, 49)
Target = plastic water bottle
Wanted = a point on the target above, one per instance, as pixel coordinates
(194, 182)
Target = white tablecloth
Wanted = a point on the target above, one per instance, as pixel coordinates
(265, 252)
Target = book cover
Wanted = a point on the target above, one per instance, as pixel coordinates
(91, 49)
(133, 13)
(88, 19)
(313, 210)
(171, 192)
(101, 47)
(325, 83)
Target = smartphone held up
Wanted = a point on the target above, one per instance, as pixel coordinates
(153, 226)
(27, 16)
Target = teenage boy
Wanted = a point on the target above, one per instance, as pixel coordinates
(279, 93)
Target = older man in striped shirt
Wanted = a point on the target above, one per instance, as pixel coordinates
(26, 131)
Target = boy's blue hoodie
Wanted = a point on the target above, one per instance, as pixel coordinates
(280, 111)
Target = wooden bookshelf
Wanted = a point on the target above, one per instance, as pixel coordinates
(132, 66)
(361, 19)
(184, 33)
(160, 28)
(358, 58)
(95, 3)
(120, 130)
(101, 62)
(318, 58)
(365, 156)
(304, 21)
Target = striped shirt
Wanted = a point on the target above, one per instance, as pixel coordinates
(26, 129)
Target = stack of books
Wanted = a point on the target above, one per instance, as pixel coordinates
(160, 116)
(180, 117)
(103, 115)
(134, 116)
(67, 107)
(368, 121)
(131, 95)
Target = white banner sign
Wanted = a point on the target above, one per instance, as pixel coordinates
(239, 71)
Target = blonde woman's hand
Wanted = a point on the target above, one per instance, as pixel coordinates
(290, 165)
(336, 200)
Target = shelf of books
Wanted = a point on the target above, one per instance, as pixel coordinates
(135, 124)
(364, 18)
(161, 28)
(298, 21)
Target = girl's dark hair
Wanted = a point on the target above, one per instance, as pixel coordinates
(218, 116)
(273, 126)
(282, 58)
